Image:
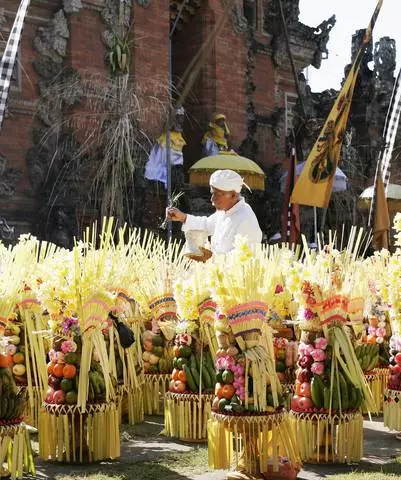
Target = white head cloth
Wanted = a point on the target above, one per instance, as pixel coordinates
(226, 180)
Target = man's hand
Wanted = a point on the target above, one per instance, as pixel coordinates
(204, 258)
(176, 215)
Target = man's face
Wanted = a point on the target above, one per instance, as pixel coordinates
(222, 200)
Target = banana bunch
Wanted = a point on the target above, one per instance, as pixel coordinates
(193, 371)
(367, 355)
(97, 385)
(344, 395)
(119, 56)
(12, 402)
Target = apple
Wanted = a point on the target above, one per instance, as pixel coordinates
(58, 397)
(304, 375)
(305, 389)
(49, 395)
(396, 369)
(305, 403)
(397, 358)
(171, 385)
(294, 402)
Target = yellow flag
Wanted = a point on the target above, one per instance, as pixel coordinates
(381, 226)
(315, 184)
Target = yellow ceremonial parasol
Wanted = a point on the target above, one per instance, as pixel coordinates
(393, 198)
(252, 174)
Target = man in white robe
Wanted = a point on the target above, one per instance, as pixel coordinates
(233, 215)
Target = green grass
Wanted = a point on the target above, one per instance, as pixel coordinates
(170, 466)
(389, 471)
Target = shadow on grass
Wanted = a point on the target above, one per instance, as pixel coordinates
(390, 470)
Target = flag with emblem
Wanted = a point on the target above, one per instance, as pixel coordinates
(315, 183)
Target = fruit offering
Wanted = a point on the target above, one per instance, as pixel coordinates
(286, 353)
(394, 382)
(14, 336)
(193, 368)
(12, 401)
(63, 370)
(368, 356)
(313, 392)
(155, 353)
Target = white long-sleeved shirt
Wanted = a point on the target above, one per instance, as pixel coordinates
(223, 226)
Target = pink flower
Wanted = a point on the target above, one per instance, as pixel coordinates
(279, 288)
(308, 314)
(372, 330)
(321, 343)
(317, 368)
(68, 346)
(309, 349)
(220, 363)
(53, 354)
(380, 332)
(318, 355)
(302, 348)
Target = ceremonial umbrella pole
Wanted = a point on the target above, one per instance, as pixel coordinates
(170, 106)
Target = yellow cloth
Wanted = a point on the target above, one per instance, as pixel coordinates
(177, 141)
(217, 134)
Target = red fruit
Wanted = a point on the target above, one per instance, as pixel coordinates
(306, 361)
(304, 403)
(396, 369)
(305, 390)
(295, 402)
(49, 395)
(397, 358)
(304, 375)
(59, 397)
(54, 382)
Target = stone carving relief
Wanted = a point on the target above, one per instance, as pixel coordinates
(385, 58)
(143, 3)
(72, 6)
(239, 21)
(52, 41)
(9, 177)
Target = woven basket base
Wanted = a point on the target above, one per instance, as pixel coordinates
(67, 435)
(154, 390)
(186, 416)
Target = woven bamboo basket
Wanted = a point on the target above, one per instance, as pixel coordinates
(130, 405)
(377, 380)
(392, 409)
(329, 438)
(67, 434)
(154, 391)
(186, 416)
(16, 456)
(261, 446)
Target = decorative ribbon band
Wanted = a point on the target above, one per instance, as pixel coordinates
(163, 306)
(247, 312)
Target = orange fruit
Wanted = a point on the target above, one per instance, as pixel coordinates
(5, 360)
(182, 376)
(58, 370)
(69, 371)
(228, 391)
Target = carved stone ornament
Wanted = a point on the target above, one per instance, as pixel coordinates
(52, 41)
(72, 6)
(8, 178)
(240, 23)
(143, 3)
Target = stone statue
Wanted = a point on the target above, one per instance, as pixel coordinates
(385, 58)
(60, 234)
(6, 232)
